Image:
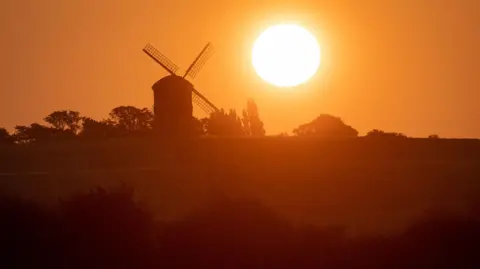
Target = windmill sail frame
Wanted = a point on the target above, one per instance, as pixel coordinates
(199, 61)
(202, 102)
(161, 59)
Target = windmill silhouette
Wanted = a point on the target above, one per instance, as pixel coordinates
(174, 95)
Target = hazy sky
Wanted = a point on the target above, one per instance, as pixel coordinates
(407, 66)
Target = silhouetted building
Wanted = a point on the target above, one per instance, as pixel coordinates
(173, 107)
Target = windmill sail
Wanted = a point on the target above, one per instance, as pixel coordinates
(161, 59)
(199, 61)
(203, 102)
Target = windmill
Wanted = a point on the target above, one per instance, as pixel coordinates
(174, 95)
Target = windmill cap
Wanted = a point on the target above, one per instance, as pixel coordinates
(171, 81)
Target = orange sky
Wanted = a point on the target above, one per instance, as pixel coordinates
(405, 66)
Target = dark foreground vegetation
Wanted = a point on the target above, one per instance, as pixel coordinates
(108, 228)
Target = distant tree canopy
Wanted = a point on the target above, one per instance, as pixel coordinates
(198, 126)
(67, 124)
(252, 124)
(5, 137)
(64, 120)
(33, 133)
(221, 123)
(131, 119)
(326, 126)
(375, 133)
(96, 129)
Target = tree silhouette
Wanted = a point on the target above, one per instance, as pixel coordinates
(33, 133)
(130, 119)
(96, 129)
(65, 120)
(112, 218)
(252, 124)
(5, 137)
(224, 124)
(375, 133)
(326, 126)
(198, 127)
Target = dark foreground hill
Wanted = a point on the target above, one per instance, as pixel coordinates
(369, 185)
(106, 228)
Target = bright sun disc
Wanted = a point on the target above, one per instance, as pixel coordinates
(286, 55)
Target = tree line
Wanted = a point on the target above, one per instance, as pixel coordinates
(125, 121)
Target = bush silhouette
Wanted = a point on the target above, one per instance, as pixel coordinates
(109, 229)
(326, 126)
(28, 234)
(233, 234)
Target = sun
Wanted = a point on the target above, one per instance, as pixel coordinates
(286, 55)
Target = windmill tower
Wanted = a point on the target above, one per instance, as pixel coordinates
(173, 95)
